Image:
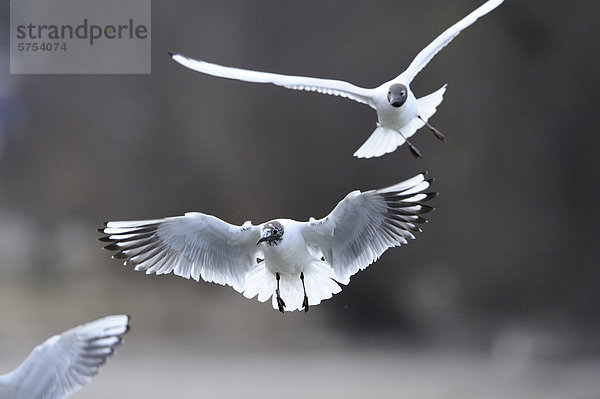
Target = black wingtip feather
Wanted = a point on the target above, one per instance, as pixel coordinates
(398, 197)
(171, 54)
(424, 209)
(112, 247)
(405, 218)
(118, 255)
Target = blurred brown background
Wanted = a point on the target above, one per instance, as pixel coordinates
(497, 298)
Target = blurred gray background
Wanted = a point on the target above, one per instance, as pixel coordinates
(498, 297)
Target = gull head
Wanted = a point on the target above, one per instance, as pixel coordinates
(271, 233)
(397, 95)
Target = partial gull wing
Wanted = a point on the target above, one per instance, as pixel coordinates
(191, 246)
(324, 86)
(64, 363)
(442, 40)
(363, 225)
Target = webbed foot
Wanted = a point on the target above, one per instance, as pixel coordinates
(436, 132)
(414, 150)
(280, 302)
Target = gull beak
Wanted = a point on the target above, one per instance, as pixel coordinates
(397, 103)
(396, 100)
(266, 235)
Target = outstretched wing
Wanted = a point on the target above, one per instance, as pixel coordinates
(364, 225)
(64, 363)
(442, 40)
(324, 86)
(191, 246)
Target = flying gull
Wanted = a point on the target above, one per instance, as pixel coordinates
(64, 363)
(400, 114)
(297, 264)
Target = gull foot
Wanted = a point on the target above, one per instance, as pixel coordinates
(414, 150)
(436, 132)
(280, 302)
(305, 301)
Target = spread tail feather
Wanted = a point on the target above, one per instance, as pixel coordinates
(318, 279)
(381, 141)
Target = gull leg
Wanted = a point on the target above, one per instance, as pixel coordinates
(280, 302)
(305, 301)
(437, 133)
(413, 150)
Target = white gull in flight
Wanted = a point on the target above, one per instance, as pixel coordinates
(64, 363)
(297, 264)
(400, 114)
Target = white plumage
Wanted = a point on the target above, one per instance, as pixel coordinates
(64, 363)
(297, 263)
(396, 123)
